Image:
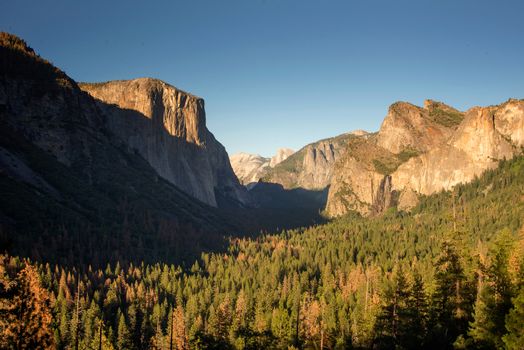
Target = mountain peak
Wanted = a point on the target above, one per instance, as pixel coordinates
(12, 41)
(358, 132)
(281, 155)
(19, 61)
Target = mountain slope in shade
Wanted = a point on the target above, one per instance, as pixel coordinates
(69, 184)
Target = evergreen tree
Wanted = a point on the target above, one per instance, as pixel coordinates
(124, 336)
(514, 339)
(392, 323)
(450, 309)
(417, 313)
(25, 314)
(482, 329)
(180, 338)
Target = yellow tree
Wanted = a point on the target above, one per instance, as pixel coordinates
(178, 329)
(25, 315)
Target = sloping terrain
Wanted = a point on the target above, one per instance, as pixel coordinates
(311, 167)
(71, 190)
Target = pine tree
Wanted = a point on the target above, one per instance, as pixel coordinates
(417, 312)
(103, 337)
(499, 277)
(394, 319)
(514, 339)
(25, 314)
(180, 338)
(493, 296)
(450, 310)
(482, 329)
(124, 336)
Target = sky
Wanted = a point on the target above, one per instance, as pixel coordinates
(284, 73)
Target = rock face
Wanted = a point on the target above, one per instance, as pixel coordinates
(358, 175)
(69, 183)
(167, 127)
(422, 151)
(408, 127)
(249, 168)
(311, 167)
(485, 136)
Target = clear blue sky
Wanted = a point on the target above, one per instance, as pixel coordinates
(282, 73)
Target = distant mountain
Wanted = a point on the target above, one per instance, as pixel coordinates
(281, 155)
(110, 178)
(311, 167)
(249, 168)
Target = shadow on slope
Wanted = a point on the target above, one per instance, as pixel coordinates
(74, 194)
(279, 208)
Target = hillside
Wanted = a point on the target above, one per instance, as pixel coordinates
(451, 269)
(72, 192)
(311, 167)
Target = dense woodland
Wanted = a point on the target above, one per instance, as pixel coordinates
(450, 274)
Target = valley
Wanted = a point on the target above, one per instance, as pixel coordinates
(125, 224)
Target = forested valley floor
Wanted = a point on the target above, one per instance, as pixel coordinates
(449, 274)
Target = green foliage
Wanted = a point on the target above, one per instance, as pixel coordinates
(392, 326)
(402, 279)
(514, 339)
(446, 117)
(385, 166)
(406, 154)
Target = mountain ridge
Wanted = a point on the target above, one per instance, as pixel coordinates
(431, 148)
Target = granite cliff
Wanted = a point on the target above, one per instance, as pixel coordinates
(487, 135)
(167, 127)
(311, 167)
(422, 150)
(69, 183)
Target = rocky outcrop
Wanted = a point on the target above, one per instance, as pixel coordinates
(408, 127)
(69, 185)
(486, 136)
(422, 151)
(358, 176)
(311, 167)
(167, 127)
